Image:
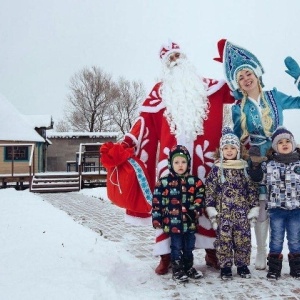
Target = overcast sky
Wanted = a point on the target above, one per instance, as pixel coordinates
(44, 43)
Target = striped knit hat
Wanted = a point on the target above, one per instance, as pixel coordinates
(282, 133)
(229, 138)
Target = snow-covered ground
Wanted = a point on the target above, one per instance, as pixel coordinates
(47, 253)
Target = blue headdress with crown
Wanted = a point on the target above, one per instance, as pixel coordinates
(235, 59)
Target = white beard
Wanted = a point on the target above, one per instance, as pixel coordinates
(185, 95)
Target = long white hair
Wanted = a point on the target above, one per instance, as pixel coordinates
(185, 95)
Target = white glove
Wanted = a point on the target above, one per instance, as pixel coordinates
(252, 222)
(253, 215)
(214, 223)
(212, 214)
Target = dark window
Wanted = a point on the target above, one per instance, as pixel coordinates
(20, 153)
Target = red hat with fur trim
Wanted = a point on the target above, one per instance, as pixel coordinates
(221, 45)
(166, 50)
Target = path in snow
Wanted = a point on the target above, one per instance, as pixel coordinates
(108, 220)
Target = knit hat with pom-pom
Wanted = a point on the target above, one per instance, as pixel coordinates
(229, 138)
(282, 133)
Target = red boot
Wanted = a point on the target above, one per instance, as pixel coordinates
(211, 259)
(164, 264)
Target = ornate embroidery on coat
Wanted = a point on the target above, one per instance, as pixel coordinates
(274, 110)
(162, 166)
(142, 180)
(206, 158)
(256, 120)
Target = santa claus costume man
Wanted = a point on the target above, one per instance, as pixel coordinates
(187, 109)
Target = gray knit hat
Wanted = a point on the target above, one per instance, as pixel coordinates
(282, 133)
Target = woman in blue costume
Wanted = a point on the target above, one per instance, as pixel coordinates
(256, 115)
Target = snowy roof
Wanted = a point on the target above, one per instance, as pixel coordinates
(14, 126)
(39, 121)
(77, 134)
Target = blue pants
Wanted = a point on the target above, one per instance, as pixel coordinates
(284, 221)
(182, 246)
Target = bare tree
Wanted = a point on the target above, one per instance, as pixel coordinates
(124, 109)
(92, 91)
(62, 126)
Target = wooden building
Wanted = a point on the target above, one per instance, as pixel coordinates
(21, 140)
(63, 152)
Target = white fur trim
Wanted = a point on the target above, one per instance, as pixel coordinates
(135, 140)
(214, 223)
(211, 211)
(204, 242)
(158, 232)
(132, 137)
(253, 213)
(215, 87)
(138, 221)
(204, 222)
(162, 247)
(152, 109)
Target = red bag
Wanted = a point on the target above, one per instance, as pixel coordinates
(123, 170)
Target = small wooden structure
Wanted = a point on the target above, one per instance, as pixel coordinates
(89, 172)
(63, 153)
(32, 157)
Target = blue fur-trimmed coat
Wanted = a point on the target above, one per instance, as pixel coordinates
(177, 201)
(277, 101)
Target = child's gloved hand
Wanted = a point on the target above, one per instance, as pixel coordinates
(255, 157)
(293, 67)
(214, 223)
(212, 215)
(253, 215)
(253, 222)
(156, 224)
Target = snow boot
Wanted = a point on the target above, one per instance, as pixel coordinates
(193, 273)
(226, 273)
(211, 259)
(244, 272)
(178, 272)
(261, 233)
(275, 265)
(190, 271)
(164, 264)
(294, 262)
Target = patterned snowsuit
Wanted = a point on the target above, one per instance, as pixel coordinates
(177, 202)
(233, 200)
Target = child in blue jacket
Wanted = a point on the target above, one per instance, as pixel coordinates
(281, 176)
(178, 200)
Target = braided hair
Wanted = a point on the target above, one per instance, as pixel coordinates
(266, 118)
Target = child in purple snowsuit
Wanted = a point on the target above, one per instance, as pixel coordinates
(232, 206)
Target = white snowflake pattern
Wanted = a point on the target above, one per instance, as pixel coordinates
(206, 158)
